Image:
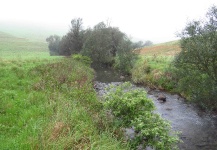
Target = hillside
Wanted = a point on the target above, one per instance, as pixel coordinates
(31, 32)
(165, 49)
(14, 47)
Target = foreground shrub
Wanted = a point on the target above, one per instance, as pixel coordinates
(131, 107)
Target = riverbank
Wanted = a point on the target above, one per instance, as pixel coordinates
(51, 104)
(197, 128)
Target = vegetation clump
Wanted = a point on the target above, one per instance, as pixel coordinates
(103, 43)
(193, 71)
(132, 108)
(196, 64)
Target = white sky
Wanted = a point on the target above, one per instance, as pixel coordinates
(155, 20)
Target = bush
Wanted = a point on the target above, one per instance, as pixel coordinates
(131, 107)
(196, 64)
(84, 59)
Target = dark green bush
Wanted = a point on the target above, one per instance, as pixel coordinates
(196, 64)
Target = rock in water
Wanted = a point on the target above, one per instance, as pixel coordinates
(122, 77)
(162, 97)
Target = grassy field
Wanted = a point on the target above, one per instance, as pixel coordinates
(12, 47)
(163, 49)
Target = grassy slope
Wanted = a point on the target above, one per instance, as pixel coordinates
(12, 47)
(164, 49)
(30, 31)
(152, 67)
(48, 103)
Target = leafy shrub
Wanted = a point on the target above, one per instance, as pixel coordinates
(155, 132)
(196, 64)
(128, 105)
(86, 60)
(197, 87)
(140, 72)
(131, 107)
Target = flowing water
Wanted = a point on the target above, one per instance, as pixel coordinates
(198, 129)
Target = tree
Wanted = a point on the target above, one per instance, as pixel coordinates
(54, 44)
(148, 43)
(102, 43)
(72, 42)
(197, 61)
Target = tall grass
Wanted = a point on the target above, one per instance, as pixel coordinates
(51, 105)
(155, 72)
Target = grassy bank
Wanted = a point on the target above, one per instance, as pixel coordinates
(51, 105)
(155, 72)
(164, 49)
(153, 67)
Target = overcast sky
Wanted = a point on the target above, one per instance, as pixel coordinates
(155, 20)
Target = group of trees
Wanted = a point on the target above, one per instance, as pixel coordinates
(196, 64)
(70, 43)
(102, 43)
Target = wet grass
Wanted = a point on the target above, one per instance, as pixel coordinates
(49, 102)
(154, 66)
(51, 105)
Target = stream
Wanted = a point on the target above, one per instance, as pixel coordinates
(198, 129)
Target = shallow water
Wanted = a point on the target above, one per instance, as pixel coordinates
(198, 129)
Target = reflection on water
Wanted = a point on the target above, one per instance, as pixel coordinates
(108, 75)
(198, 130)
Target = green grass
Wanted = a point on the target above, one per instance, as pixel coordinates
(153, 66)
(12, 47)
(47, 104)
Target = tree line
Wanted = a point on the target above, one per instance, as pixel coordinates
(102, 43)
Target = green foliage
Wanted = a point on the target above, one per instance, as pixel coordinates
(131, 107)
(127, 105)
(155, 132)
(125, 58)
(84, 59)
(102, 43)
(197, 61)
(197, 87)
(54, 44)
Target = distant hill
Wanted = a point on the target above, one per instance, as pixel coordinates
(15, 47)
(30, 31)
(169, 49)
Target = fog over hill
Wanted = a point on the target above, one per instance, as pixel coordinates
(31, 31)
